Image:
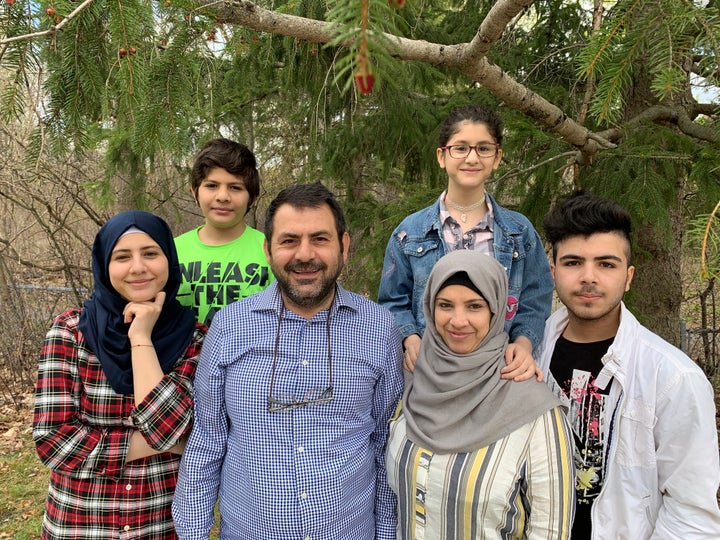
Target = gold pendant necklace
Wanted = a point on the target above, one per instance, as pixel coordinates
(464, 209)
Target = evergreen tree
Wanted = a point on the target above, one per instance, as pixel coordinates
(352, 92)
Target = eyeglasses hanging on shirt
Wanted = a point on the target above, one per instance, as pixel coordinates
(313, 396)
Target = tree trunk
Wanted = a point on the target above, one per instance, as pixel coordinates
(657, 286)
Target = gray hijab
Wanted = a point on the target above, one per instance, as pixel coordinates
(457, 402)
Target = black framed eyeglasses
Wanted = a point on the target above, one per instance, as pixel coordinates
(483, 150)
(313, 396)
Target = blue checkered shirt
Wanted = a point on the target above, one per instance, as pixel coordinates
(316, 472)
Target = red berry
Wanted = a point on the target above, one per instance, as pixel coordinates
(122, 52)
(132, 50)
(364, 81)
(50, 11)
(9, 2)
(396, 4)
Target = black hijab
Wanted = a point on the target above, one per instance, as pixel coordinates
(102, 321)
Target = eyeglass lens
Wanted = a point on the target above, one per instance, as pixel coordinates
(462, 150)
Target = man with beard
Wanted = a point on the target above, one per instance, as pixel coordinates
(293, 393)
(642, 413)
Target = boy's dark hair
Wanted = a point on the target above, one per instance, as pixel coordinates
(584, 214)
(304, 196)
(479, 114)
(234, 157)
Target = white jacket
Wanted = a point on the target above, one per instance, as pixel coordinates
(663, 471)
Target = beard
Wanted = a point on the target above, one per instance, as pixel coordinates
(303, 297)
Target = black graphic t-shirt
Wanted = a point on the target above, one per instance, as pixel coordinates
(573, 370)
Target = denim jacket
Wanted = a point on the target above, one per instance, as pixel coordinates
(417, 244)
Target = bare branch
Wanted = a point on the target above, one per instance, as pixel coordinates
(572, 157)
(54, 29)
(661, 113)
(494, 25)
(708, 109)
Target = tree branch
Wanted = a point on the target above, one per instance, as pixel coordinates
(708, 109)
(494, 25)
(54, 29)
(459, 57)
(661, 113)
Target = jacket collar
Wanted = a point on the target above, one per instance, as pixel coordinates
(614, 361)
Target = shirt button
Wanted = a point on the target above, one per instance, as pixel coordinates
(300, 449)
(128, 487)
(307, 538)
(304, 362)
(515, 255)
(420, 249)
(126, 528)
(303, 495)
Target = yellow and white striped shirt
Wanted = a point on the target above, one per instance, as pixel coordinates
(522, 486)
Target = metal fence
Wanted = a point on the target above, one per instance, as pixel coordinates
(701, 344)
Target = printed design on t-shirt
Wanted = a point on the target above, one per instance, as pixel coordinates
(221, 283)
(586, 416)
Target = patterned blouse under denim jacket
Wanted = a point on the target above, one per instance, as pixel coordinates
(417, 244)
(82, 430)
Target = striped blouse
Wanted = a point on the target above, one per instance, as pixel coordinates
(522, 486)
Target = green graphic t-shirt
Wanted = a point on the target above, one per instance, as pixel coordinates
(215, 276)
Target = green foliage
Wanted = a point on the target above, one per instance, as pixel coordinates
(646, 172)
(190, 78)
(703, 236)
(642, 39)
(370, 236)
(344, 16)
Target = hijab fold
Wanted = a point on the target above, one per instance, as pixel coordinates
(102, 320)
(457, 402)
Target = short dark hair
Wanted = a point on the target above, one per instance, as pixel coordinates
(477, 114)
(584, 214)
(305, 196)
(234, 157)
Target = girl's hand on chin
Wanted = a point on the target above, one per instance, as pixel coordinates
(143, 316)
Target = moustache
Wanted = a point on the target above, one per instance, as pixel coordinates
(304, 267)
(588, 290)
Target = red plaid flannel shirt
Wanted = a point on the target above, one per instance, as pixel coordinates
(82, 431)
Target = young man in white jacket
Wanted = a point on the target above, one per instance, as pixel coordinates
(641, 411)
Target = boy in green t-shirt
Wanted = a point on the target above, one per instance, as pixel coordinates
(222, 260)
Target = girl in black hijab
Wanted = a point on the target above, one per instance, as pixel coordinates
(113, 404)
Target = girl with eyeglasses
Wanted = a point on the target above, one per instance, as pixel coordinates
(113, 401)
(466, 216)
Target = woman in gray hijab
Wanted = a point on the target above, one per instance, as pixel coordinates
(472, 455)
